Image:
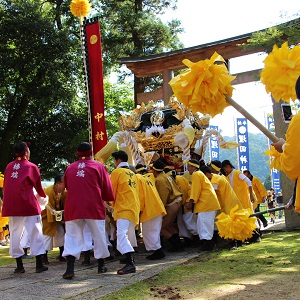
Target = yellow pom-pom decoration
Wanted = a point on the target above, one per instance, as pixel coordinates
(80, 8)
(281, 71)
(204, 85)
(274, 158)
(238, 225)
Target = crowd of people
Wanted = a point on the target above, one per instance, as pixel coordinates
(87, 210)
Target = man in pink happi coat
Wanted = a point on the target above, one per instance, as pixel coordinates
(88, 186)
(20, 204)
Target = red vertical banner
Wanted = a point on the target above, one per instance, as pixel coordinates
(94, 74)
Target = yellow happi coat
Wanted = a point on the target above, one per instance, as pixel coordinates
(289, 159)
(259, 190)
(167, 188)
(151, 205)
(188, 176)
(150, 176)
(56, 202)
(240, 188)
(126, 204)
(3, 220)
(185, 188)
(226, 195)
(203, 194)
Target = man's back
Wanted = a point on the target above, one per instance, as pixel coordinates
(126, 204)
(20, 177)
(88, 185)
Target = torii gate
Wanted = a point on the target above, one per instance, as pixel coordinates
(166, 63)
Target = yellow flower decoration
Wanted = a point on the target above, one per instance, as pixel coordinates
(204, 85)
(1, 180)
(281, 71)
(238, 225)
(80, 8)
(274, 159)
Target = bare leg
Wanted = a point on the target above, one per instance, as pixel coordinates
(167, 228)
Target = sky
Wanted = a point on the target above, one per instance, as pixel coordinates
(209, 21)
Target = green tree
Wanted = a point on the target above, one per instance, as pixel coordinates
(54, 136)
(277, 35)
(39, 70)
(42, 92)
(133, 28)
(118, 99)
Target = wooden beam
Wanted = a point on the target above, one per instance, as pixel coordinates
(246, 77)
(156, 64)
(154, 95)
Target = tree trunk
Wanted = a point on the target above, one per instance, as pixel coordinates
(292, 219)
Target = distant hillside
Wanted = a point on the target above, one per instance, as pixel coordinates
(257, 160)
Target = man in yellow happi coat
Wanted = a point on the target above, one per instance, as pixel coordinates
(3, 224)
(241, 184)
(186, 218)
(141, 169)
(226, 196)
(152, 211)
(53, 230)
(126, 208)
(206, 204)
(171, 197)
(290, 149)
(260, 193)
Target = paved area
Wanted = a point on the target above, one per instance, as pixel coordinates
(87, 284)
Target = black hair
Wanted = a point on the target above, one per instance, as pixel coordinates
(19, 147)
(227, 162)
(217, 163)
(195, 161)
(158, 164)
(247, 171)
(205, 169)
(58, 178)
(202, 163)
(122, 155)
(142, 167)
(83, 147)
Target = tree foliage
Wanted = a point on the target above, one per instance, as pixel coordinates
(133, 28)
(276, 35)
(42, 91)
(41, 74)
(118, 99)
